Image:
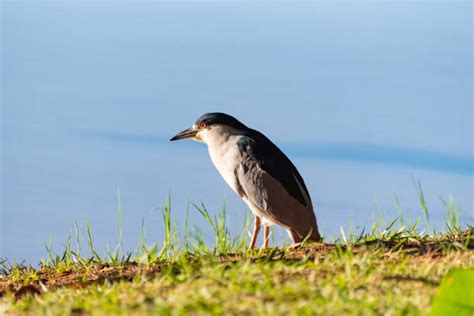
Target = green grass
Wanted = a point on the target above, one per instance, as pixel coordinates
(392, 269)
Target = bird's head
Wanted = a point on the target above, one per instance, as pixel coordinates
(211, 126)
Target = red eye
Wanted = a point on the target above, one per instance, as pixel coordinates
(203, 125)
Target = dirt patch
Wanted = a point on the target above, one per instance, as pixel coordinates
(49, 278)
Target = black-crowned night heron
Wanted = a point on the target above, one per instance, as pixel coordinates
(260, 173)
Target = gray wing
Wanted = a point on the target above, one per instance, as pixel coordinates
(271, 182)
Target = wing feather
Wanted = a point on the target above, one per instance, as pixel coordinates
(272, 160)
(271, 182)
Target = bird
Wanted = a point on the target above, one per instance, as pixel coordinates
(260, 173)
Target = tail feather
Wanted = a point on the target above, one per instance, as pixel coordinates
(311, 235)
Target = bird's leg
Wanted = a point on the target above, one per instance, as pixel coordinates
(266, 236)
(256, 230)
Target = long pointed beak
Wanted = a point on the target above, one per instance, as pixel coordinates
(187, 133)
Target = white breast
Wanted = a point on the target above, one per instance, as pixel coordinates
(225, 155)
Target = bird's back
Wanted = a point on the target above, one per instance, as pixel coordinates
(273, 184)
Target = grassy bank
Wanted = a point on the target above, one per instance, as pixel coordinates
(390, 270)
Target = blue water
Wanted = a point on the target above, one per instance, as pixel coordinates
(363, 97)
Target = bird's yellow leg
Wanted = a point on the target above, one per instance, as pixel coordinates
(256, 230)
(266, 236)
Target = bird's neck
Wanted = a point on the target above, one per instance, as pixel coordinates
(221, 137)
